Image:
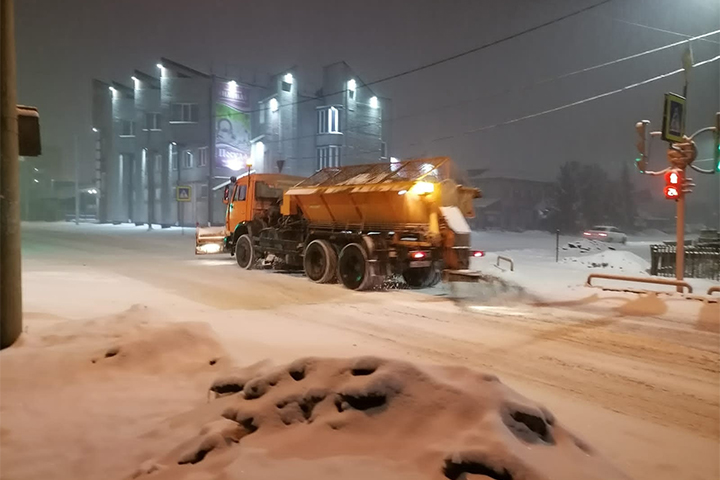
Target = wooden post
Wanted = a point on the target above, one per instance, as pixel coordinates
(10, 260)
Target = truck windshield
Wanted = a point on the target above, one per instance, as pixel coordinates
(263, 190)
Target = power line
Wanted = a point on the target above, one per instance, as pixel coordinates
(510, 90)
(678, 34)
(451, 57)
(573, 104)
(491, 44)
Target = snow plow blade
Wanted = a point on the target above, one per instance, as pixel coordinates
(463, 276)
(209, 240)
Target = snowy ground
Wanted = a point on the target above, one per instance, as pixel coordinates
(635, 376)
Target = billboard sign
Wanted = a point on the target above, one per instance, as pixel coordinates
(232, 126)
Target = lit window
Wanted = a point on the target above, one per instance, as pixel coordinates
(152, 122)
(172, 152)
(257, 153)
(288, 78)
(202, 156)
(328, 120)
(274, 105)
(184, 113)
(127, 128)
(374, 103)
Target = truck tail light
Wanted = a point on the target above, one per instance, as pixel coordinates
(587, 234)
(418, 255)
(602, 234)
(478, 253)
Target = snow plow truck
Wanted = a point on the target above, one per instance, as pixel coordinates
(359, 224)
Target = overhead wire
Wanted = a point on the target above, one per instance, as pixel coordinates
(573, 104)
(451, 57)
(509, 90)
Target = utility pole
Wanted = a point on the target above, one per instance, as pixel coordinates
(10, 261)
(77, 180)
(150, 174)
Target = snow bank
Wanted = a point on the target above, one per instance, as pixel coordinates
(620, 261)
(408, 421)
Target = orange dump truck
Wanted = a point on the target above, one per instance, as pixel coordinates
(359, 224)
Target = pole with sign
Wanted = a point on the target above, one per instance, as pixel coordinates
(183, 194)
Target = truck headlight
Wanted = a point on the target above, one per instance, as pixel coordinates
(422, 188)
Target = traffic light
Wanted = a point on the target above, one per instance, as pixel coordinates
(643, 145)
(673, 184)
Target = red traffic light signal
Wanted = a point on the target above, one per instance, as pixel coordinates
(673, 184)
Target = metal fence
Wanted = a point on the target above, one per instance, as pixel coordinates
(701, 261)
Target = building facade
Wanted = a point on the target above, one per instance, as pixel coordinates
(186, 128)
(508, 202)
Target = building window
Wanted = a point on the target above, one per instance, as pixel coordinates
(184, 113)
(127, 128)
(202, 156)
(328, 120)
(286, 87)
(158, 163)
(262, 109)
(173, 156)
(203, 191)
(187, 159)
(152, 122)
(328, 157)
(383, 150)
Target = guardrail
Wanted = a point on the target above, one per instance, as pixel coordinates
(701, 261)
(656, 281)
(507, 259)
(712, 290)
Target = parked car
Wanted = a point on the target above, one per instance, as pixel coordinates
(605, 233)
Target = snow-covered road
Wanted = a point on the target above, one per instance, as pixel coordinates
(638, 377)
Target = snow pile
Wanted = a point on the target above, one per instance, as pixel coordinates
(621, 261)
(401, 420)
(586, 246)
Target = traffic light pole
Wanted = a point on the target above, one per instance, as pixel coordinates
(10, 266)
(680, 247)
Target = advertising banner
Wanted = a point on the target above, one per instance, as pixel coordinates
(232, 126)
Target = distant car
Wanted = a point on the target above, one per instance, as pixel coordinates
(605, 234)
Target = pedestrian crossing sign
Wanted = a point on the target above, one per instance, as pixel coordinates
(183, 193)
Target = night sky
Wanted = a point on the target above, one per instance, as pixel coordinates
(62, 45)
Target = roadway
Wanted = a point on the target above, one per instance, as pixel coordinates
(640, 384)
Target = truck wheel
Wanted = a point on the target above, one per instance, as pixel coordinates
(353, 267)
(320, 261)
(421, 277)
(245, 252)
